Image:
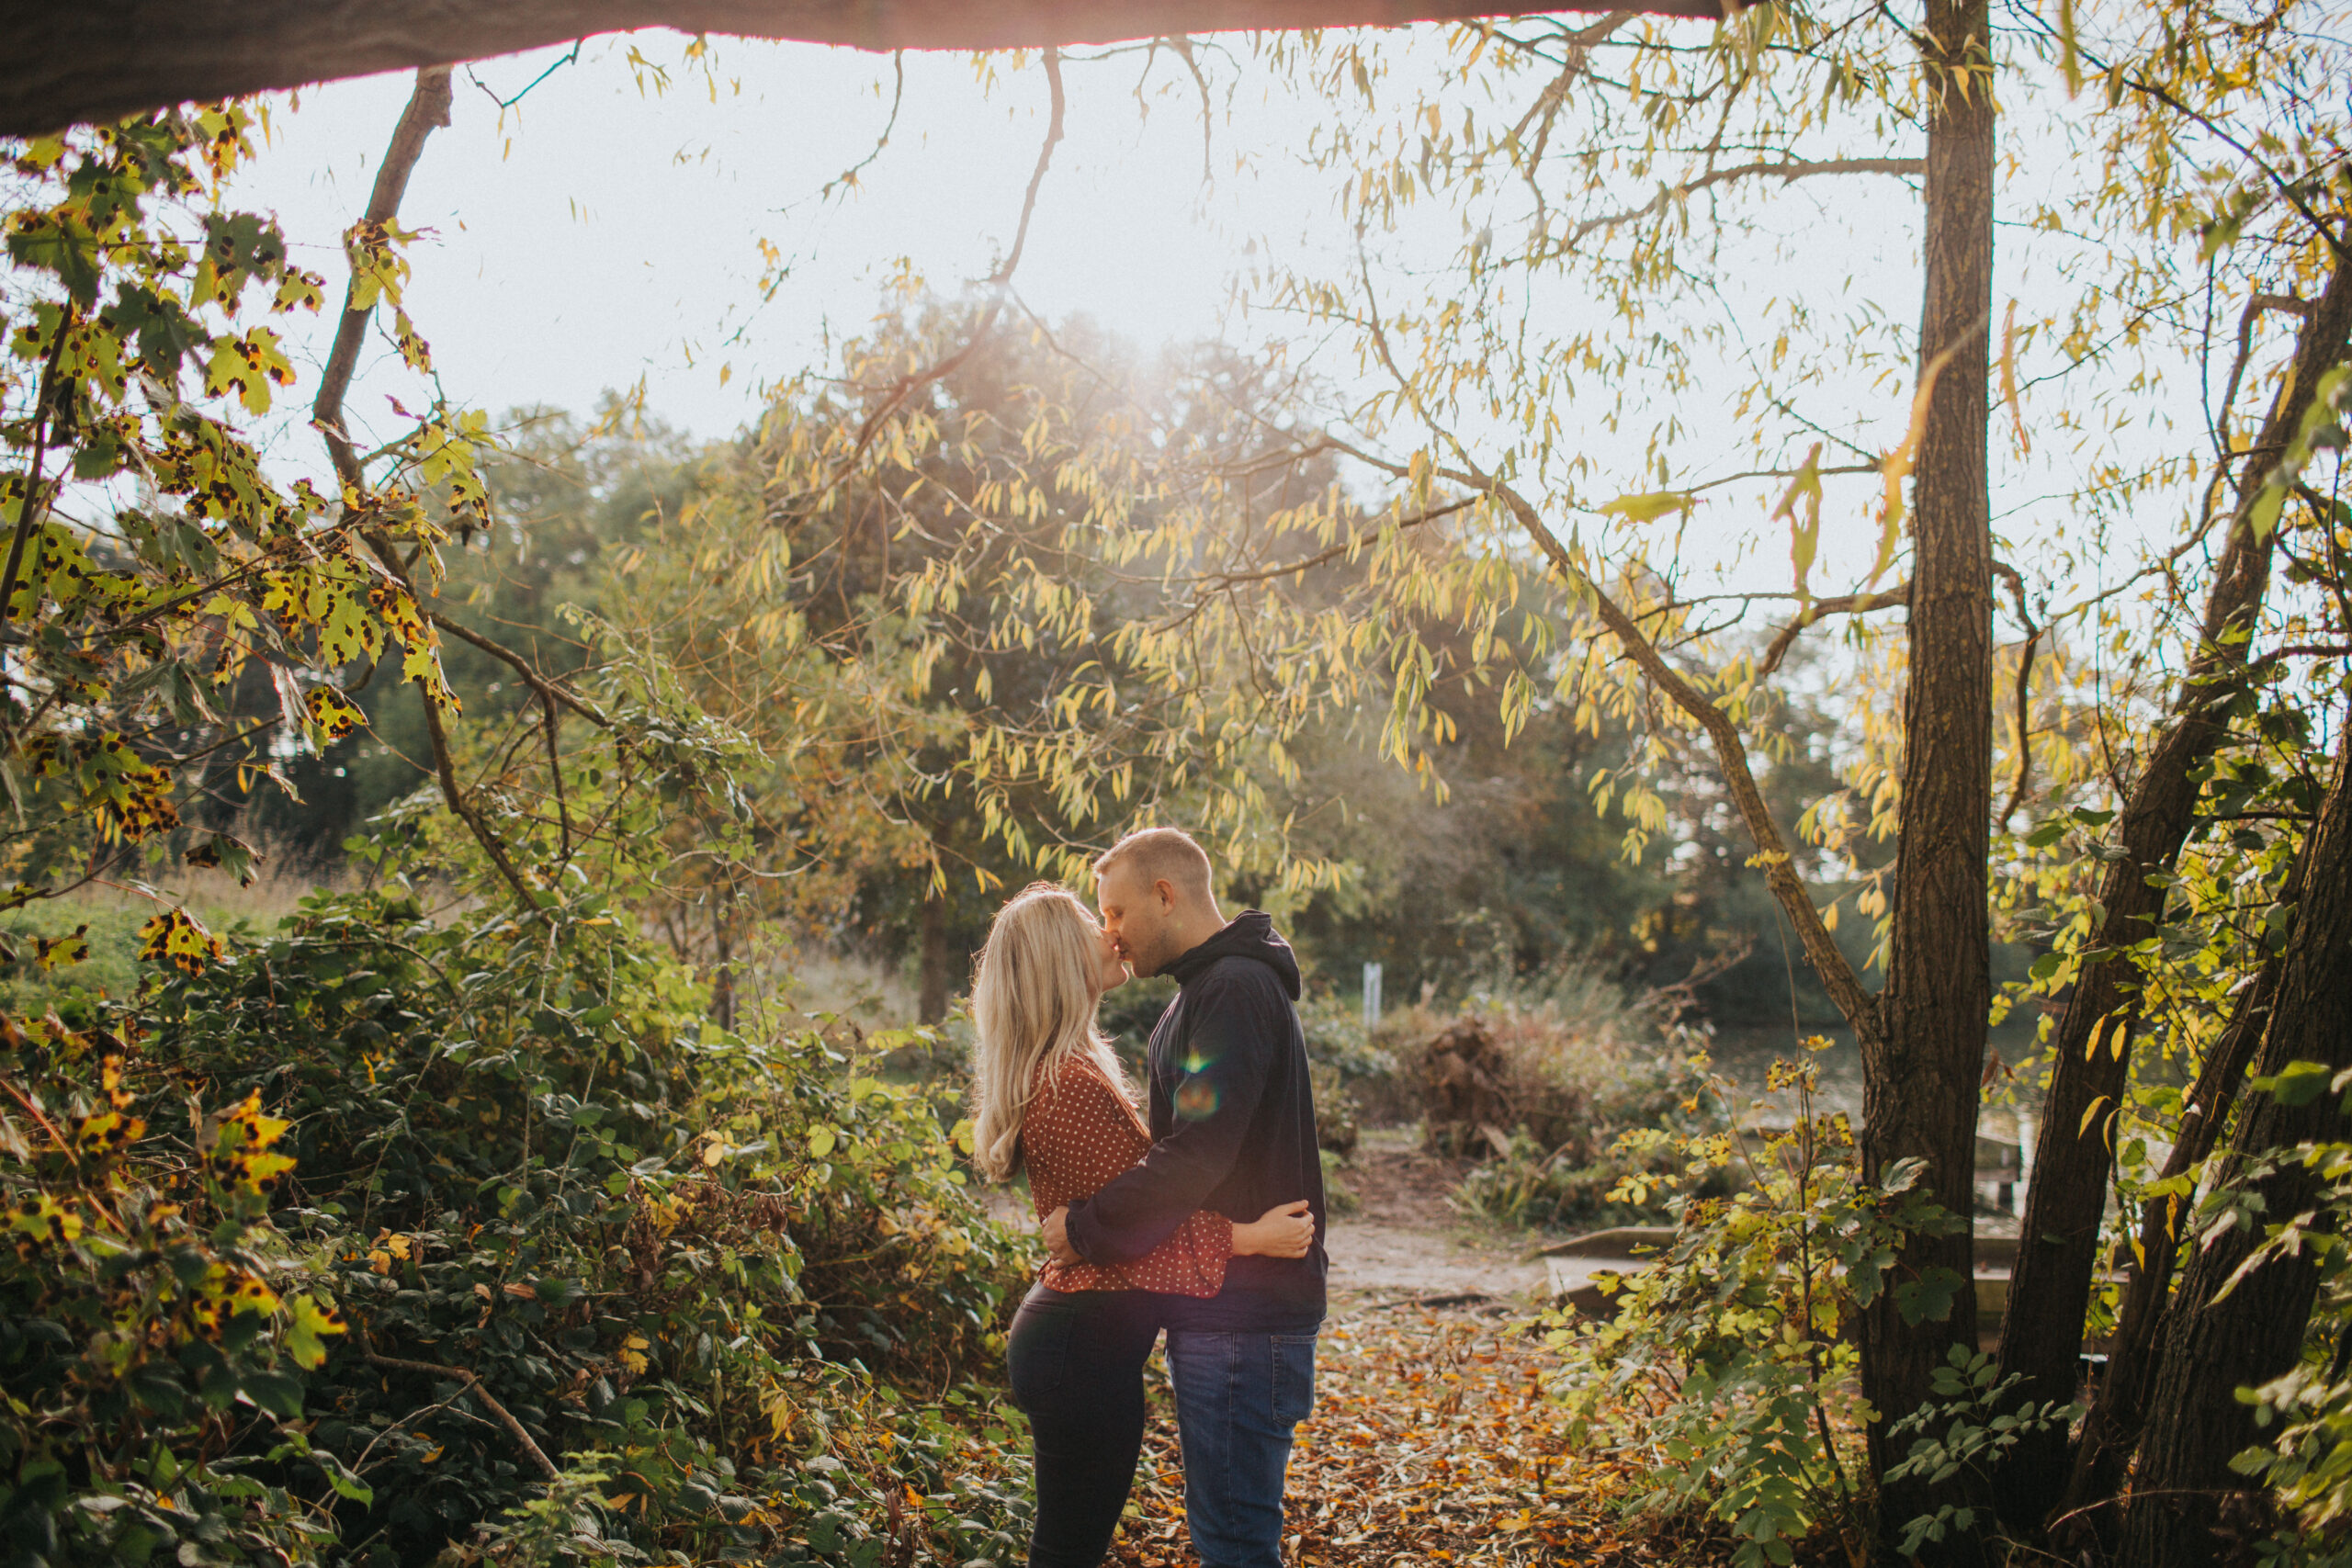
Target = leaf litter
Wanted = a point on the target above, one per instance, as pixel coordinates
(1431, 1441)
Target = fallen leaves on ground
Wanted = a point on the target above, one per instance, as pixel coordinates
(1431, 1443)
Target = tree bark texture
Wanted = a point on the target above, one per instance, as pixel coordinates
(2112, 1429)
(2214, 1346)
(100, 60)
(930, 1006)
(1921, 1074)
(722, 971)
(2049, 1294)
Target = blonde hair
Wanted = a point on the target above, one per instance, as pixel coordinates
(1032, 1007)
(1162, 854)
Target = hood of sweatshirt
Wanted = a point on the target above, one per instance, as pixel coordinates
(1250, 935)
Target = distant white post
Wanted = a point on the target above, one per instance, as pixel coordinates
(1370, 998)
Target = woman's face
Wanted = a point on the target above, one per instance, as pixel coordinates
(1110, 969)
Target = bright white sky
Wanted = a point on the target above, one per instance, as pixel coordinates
(605, 232)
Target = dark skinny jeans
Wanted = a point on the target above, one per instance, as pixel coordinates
(1075, 1362)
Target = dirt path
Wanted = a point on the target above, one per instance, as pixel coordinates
(1404, 1240)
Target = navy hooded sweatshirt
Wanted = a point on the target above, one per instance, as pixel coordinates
(1232, 1129)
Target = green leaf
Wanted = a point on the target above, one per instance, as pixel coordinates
(2298, 1083)
(1928, 1298)
(160, 1388)
(280, 1393)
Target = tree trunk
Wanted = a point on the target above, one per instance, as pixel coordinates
(2049, 1294)
(722, 963)
(2214, 1348)
(930, 1007)
(2112, 1429)
(1920, 1075)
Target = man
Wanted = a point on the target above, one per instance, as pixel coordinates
(1233, 1130)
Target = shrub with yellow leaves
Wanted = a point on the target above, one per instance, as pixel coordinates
(147, 1308)
(574, 1230)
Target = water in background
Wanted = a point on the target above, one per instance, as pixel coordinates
(1746, 1057)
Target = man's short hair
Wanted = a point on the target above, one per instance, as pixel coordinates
(1162, 854)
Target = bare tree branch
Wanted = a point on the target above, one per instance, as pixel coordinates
(428, 109)
(1843, 604)
(907, 386)
(1830, 962)
(1861, 1010)
(44, 400)
(1783, 170)
(1837, 977)
(549, 690)
(428, 106)
(2008, 574)
(474, 1385)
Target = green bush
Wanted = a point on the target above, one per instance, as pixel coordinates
(1336, 1039)
(1722, 1373)
(1598, 1176)
(379, 1237)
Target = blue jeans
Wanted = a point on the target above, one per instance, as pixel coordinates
(1237, 1397)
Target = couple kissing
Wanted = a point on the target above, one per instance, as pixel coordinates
(1207, 1220)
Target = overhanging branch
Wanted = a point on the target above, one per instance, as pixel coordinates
(94, 60)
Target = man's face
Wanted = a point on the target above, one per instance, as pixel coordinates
(1136, 916)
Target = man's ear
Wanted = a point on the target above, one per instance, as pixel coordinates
(1166, 891)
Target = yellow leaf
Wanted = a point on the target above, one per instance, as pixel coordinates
(2009, 377)
(179, 938)
(308, 1324)
(1650, 507)
(54, 952)
(41, 1220)
(333, 715)
(1896, 467)
(423, 666)
(1800, 504)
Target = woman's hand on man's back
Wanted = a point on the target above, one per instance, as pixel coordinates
(1286, 1230)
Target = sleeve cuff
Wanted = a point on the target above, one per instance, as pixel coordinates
(1079, 1227)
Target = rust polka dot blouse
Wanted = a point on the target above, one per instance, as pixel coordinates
(1078, 1132)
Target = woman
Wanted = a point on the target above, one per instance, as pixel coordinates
(1051, 1098)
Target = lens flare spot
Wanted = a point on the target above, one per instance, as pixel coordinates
(1196, 1100)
